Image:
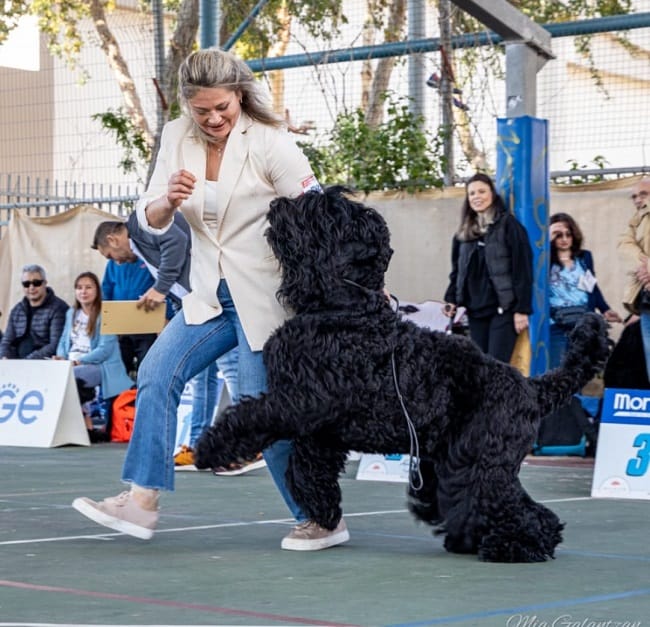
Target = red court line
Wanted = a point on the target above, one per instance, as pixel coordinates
(176, 604)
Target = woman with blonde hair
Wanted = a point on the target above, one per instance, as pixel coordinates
(220, 164)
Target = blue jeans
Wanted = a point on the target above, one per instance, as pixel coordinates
(645, 337)
(204, 401)
(205, 392)
(558, 341)
(181, 352)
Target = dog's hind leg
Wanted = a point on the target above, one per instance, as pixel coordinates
(313, 479)
(493, 516)
(518, 529)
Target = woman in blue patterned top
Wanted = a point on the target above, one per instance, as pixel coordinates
(572, 282)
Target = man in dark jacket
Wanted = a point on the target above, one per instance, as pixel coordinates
(167, 256)
(36, 322)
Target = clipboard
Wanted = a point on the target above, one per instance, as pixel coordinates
(122, 317)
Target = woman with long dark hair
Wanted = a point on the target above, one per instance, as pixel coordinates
(491, 274)
(95, 358)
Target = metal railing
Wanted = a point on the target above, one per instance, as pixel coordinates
(38, 197)
(42, 197)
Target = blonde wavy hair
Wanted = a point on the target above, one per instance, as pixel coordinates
(213, 67)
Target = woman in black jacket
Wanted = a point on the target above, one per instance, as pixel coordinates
(492, 271)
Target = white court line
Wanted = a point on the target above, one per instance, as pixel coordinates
(276, 521)
(100, 536)
(568, 500)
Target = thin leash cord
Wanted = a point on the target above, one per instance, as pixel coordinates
(414, 445)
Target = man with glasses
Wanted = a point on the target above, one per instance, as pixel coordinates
(634, 245)
(36, 322)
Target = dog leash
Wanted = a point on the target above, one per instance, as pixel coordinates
(415, 474)
(414, 444)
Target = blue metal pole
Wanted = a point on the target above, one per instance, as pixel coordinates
(244, 25)
(432, 44)
(208, 13)
(522, 180)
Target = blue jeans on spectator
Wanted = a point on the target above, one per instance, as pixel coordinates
(181, 352)
(204, 401)
(645, 337)
(558, 345)
(205, 392)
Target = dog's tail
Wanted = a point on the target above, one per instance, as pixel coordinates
(586, 354)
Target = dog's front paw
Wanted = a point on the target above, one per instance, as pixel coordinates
(208, 452)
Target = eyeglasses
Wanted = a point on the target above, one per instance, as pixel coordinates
(35, 283)
(639, 195)
(564, 234)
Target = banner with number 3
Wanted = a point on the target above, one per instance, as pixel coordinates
(622, 467)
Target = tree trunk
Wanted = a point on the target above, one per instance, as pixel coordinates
(368, 39)
(392, 32)
(180, 46)
(276, 77)
(463, 129)
(121, 70)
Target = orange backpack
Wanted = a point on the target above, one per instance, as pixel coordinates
(123, 416)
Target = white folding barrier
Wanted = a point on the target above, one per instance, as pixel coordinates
(39, 404)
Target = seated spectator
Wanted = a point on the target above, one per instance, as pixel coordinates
(36, 322)
(572, 283)
(95, 358)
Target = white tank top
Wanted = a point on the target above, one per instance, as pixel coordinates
(212, 212)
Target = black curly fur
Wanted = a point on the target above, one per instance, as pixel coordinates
(331, 390)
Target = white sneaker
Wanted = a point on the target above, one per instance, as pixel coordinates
(121, 513)
(240, 469)
(308, 536)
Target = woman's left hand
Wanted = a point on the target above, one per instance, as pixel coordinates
(521, 322)
(612, 316)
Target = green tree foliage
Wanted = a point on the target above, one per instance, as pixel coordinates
(320, 18)
(128, 136)
(58, 20)
(395, 154)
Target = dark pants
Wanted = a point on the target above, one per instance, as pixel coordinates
(495, 335)
(133, 348)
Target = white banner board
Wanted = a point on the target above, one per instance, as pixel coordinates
(39, 404)
(384, 468)
(622, 466)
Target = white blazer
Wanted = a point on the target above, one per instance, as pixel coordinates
(259, 164)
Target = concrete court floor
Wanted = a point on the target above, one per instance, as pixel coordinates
(217, 559)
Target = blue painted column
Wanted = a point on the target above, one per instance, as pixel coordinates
(523, 181)
(208, 23)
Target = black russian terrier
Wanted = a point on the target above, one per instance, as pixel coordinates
(347, 373)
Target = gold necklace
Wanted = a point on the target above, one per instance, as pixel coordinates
(218, 148)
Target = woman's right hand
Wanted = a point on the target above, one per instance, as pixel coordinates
(180, 188)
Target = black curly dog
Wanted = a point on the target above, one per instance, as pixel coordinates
(344, 372)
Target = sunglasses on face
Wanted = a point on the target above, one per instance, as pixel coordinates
(35, 283)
